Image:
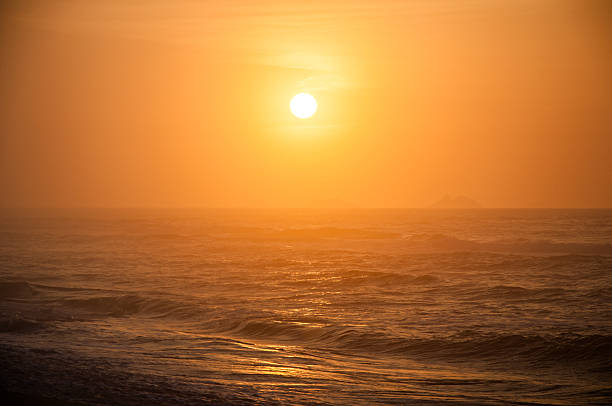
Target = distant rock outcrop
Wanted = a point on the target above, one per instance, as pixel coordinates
(458, 202)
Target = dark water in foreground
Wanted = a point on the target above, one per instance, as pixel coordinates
(307, 307)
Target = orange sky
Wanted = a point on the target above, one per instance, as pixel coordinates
(186, 103)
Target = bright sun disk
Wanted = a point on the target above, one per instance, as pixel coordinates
(303, 105)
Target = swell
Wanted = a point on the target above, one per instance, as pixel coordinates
(307, 234)
(18, 324)
(16, 289)
(594, 350)
(446, 242)
(383, 278)
(43, 302)
(126, 305)
(81, 302)
(511, 293)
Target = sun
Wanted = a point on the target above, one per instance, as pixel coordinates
(303, 105)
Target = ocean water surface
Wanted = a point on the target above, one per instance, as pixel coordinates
(354, 307)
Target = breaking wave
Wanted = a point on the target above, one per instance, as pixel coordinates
(594, 349)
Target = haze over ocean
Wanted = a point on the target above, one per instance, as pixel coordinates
(130, 307)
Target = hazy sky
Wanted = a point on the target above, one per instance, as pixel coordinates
(186, 103)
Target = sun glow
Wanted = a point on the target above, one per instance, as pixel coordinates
(303, 105)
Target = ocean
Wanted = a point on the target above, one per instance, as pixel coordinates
(296, 307)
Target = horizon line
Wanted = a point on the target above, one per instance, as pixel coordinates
(297, 208)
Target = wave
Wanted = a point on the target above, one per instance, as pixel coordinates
(307, 234)
(78, 304)
(596, 350)
(600, 295)
(57, 303)
(16, 290)
(382, 278)
(20, 325)
(133, 304)
(517, 292)
(446, 242)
